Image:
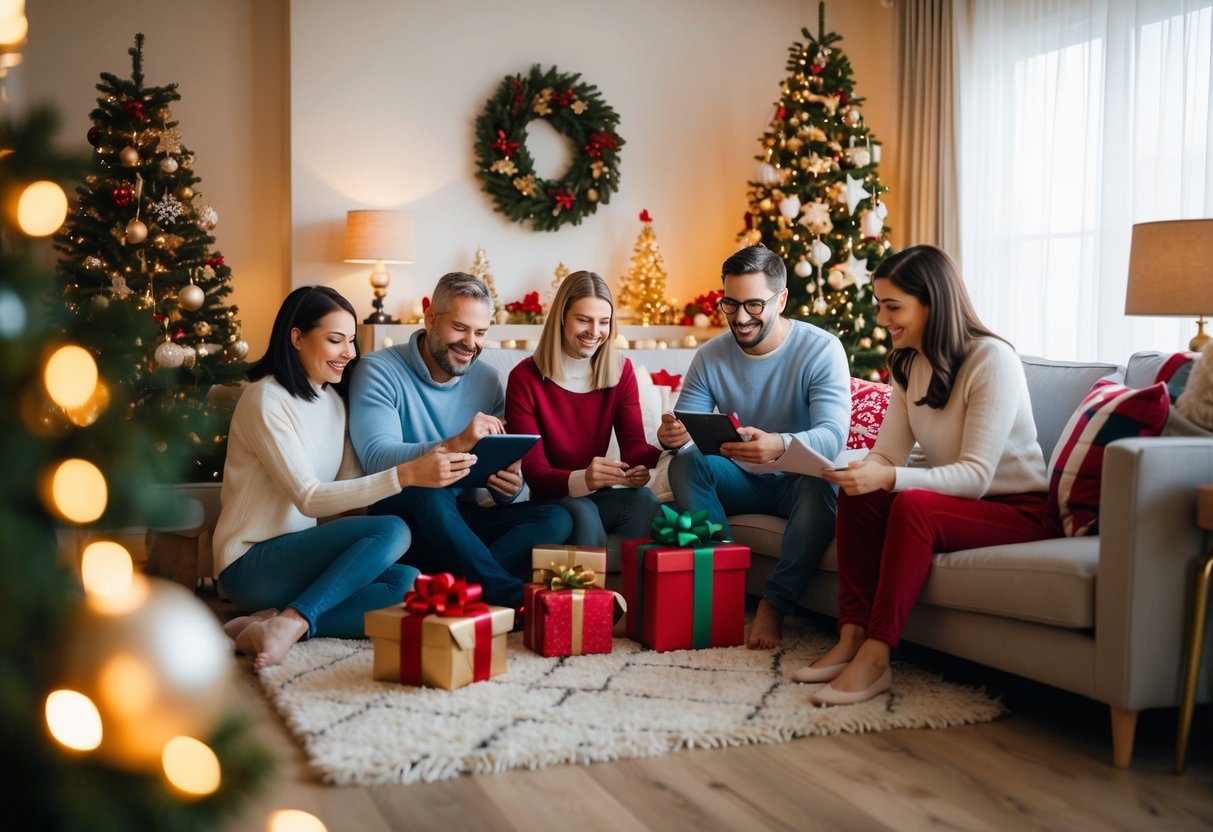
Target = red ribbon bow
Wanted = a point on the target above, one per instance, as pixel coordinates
(134, 109)
(564, 199)
(667, 379)
(503, 144)
(443, 594)
(645, 216)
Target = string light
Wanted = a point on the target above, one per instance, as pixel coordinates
(78, 491)
(73, 720)
(41, 208)
(106, 568)
(294, 820)
(191, 766)
(70, 376)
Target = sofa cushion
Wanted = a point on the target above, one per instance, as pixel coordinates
(1056, 388)
(1109, 412)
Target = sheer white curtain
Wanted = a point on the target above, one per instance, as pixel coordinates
(1077, 120)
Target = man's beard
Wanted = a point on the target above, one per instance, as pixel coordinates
(441, 355)
(764, 329)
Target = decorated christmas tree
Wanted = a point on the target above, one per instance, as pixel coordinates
(137, 260)
(96, 702)
(481, 269)
(815, 199)
(642, 289)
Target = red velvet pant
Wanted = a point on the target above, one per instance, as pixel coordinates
(886, 541)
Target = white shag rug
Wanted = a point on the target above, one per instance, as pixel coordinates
(584, 709)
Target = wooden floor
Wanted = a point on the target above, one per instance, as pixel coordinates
(1043, 766)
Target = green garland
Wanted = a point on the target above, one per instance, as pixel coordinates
(506, 169)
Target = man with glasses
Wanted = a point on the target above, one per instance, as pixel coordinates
(790, 377)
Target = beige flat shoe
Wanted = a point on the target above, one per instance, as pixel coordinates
(829, 696)
(827, 673)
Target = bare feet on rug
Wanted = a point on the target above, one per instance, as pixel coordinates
(766, 630)
(269, 640)
(232, 629)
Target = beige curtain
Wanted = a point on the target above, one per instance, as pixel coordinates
(927, 139)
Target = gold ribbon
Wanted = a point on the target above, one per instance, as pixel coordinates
(575, 577)
(578, 619)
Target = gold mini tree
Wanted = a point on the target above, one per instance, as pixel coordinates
(642, 288)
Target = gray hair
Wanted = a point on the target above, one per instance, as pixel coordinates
(459, 285)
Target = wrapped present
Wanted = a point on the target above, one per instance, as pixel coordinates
(568, 621)
(547, 561)
(684, 590)
(442, 636)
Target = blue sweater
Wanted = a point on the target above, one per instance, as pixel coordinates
(398, 412)
(803, 388)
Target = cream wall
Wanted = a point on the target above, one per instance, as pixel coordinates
(385, 93)
(228, 58)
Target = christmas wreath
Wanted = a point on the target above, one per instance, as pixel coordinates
(506, 169)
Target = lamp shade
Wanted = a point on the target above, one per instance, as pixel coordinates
(1171, 268)
(374, 236)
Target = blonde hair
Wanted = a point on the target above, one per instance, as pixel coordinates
(606, 365)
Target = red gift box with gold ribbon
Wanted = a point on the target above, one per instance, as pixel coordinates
(568, 622)
(683, 590)
(442, 636)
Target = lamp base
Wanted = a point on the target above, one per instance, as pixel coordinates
(1201, 338)
(380, 317)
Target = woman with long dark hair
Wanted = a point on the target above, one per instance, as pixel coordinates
(287, 454)
(958, 391)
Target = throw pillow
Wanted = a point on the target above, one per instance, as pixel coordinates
(1175, 371)
(1109, 412)
(869, 401)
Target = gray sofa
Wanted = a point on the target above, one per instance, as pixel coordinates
(1105, 617)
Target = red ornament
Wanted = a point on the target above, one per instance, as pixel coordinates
(179, 334)
(504, 145)
(134, 109)
(122, 196)
(94, 135)
(563, 99)
(644, 216)
(815, 69)
(156, 316)
(844, 97)
(781, 113)
(215, 262)
(599, 142)
(564, 199)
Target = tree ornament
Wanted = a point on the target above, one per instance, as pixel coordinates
(701, 321)
(92, 262)
(122, 196)
(820, 307)
(170, 645)
(170, 140)
(136, 232)
(591, 194)
(855, 193)
(870, 224)
(790, 206)
(191, 297)
(94, 135)
(882, 210)
(206, 218)
(202, 329)
(168, 164)
(189, 357)
(857, 157)
(819, 253)
(100, 302)
(852, 116)
(128, 156)
(240, 348)
(803, 268)
(765, 205)
(185, 193)
(817, 218)
(577, 112)
(768, 174)
(118, 287)
(168, 210)
(169, 355)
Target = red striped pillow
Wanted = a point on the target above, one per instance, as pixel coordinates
(1109, 412)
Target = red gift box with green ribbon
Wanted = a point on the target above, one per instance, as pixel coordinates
(683, 589)
(441, 636)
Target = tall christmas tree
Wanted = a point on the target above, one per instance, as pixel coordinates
(92, 694)
(815, 199)
(642, 289)
(136, 258)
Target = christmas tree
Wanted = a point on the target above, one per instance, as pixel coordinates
(815, 199)
(136, 259)
(480, 268)
(642, 289)
(74, 660)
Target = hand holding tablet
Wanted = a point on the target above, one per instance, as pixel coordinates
(493, 453)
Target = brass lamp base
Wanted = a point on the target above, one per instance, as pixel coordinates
(1200, 339)
(379, 316)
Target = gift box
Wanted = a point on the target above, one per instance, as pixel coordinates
(683, 590)
(548, 561)
(441, 636)
(568, 622)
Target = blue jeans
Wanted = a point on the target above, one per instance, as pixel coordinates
(488, 546)
(331, 575)
(628, 512)
(809, 504)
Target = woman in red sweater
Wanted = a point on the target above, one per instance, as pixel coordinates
(573, 393)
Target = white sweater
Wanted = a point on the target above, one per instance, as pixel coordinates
(983, 442)
(284, 457)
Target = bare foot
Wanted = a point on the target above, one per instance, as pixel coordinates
(870, 662)
(766, 630)
(232, 629)
(269, 640)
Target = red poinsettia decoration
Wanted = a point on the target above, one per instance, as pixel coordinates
(704, 304)
(504, 145)
(526, 311)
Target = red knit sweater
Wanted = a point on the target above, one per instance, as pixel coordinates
(574, 427)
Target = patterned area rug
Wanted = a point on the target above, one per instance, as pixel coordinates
(541, 712)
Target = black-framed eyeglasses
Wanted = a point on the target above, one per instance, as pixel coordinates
(753, 308)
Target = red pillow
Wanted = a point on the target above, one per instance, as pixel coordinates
(869, 401)
(1109, 412)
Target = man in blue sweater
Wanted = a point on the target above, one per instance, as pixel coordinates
(791, 378)
(429, 396)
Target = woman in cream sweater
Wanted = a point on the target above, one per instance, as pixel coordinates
(287, 460)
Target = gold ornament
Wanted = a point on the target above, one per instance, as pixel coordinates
(505, 166)
(765, 205)
(202, 329)
(526, 185)
(185, 193)
(591, 194)
(865, 343)
(128, 156)
(191, 297)
(154, 663)
(136, 232)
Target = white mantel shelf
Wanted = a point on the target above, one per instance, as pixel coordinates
(525, 336)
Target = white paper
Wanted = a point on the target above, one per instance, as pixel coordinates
(799, 458)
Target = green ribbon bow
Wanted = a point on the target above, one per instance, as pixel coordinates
(684, 529)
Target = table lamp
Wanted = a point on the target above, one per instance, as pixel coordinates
(378, 237)
(1171, 272)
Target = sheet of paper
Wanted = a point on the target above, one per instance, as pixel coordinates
(799, 458)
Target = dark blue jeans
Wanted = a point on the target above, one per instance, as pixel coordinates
(488, 546)
(331, 574)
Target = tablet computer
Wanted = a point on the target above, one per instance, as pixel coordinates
(709, 429)
(494, 452)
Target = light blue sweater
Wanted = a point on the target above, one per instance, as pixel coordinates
(398, 412)
(803, 388)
